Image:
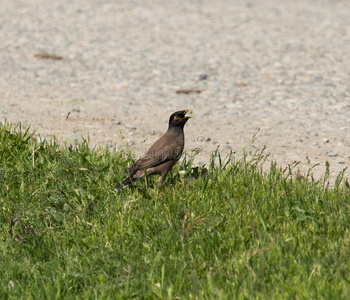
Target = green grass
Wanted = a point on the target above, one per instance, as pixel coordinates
(225, 232)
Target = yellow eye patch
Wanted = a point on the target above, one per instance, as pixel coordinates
(177, 118)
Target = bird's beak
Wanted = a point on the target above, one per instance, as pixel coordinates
(186, 111)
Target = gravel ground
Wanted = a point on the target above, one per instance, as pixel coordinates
(118, 69)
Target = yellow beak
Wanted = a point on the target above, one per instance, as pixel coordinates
(186, 111)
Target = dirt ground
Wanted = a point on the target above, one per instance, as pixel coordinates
(116, 70)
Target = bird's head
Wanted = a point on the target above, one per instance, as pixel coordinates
(179, 118)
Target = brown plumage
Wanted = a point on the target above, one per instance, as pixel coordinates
(163, 154)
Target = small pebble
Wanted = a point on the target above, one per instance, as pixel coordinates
(203, 76)
(117, 122)
(325, 140)
(331, 154)
(341, 161)
(129, 126)
(130, 142)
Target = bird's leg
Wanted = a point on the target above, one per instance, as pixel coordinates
(161, 179)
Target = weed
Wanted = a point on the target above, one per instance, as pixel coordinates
(222, 231)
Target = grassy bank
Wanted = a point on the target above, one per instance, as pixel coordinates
(228, 231)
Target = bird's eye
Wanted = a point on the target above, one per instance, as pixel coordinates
(177, 118)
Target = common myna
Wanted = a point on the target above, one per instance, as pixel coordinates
(163, 154)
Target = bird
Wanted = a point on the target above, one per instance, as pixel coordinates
(163, 154)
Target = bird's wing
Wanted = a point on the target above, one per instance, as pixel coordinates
(163, 150)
